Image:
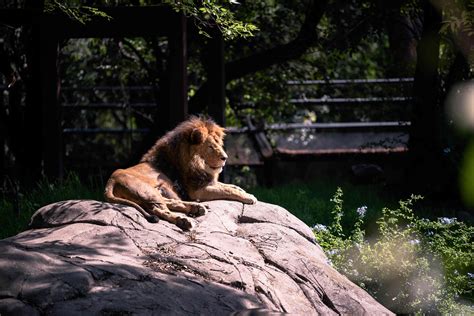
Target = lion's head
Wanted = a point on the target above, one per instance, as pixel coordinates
(195, 145)
(207, 146)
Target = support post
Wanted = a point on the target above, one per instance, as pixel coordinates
(3, 122)
(30, 156)
(216, 78)
(177, 110)
(50, 86)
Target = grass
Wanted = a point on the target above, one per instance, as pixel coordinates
(311, 202)
(15, 216)
(308, 201)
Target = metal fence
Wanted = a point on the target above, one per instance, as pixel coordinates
(128, 105)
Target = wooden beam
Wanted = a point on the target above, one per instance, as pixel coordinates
(261, 140)
(178, 89)
(18, 17)
(216, 78)
(126, 21)
(51, 116)
(300, 153)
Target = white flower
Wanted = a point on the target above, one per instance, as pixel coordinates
(415, 241)
(362, 211)
(446, 220)
(320, 228)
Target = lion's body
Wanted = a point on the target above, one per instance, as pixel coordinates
(179, 171)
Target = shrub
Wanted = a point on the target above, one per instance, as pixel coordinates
(410, 265)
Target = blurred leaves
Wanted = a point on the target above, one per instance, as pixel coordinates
(412, 265)
(214, 13)
(75, 11)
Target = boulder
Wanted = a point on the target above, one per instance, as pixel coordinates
(90, 257)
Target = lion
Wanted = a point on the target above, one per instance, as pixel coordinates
(179, 171)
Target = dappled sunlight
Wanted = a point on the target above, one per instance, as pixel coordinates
(460, 108)
(466, 176)
(410, 265)
(406, 278)
(460, 105)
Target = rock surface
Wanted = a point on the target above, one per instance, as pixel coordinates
(90, 257)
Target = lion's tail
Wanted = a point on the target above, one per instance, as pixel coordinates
(110, 197)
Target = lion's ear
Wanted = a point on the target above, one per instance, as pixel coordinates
(197, 136)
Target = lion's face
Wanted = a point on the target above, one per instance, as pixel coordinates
(208, 150)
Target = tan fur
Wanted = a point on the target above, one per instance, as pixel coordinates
(183, 165)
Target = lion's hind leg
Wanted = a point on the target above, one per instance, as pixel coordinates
(162, 211)
(189, 208)
(141, 192)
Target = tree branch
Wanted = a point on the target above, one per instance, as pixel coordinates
(305, 39)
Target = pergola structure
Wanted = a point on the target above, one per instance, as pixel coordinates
(48, 29)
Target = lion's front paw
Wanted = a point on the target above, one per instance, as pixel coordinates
(198, 209)
(249, 199)
(184, 223)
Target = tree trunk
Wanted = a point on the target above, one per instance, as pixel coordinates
(404, 31)
(305, 39)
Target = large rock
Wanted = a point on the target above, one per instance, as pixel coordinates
(90, 257)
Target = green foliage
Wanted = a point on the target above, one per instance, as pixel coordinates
(411, 265)
(265, 95)
(13, 221)
(310, 201)
(458, 17)
(75, 11)
(337, 213)
(208, 14)
(214, 13)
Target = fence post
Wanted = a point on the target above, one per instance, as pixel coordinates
(178, 99)
(216, 78)
(50, 86)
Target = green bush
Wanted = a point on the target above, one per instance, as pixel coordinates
(410, 265)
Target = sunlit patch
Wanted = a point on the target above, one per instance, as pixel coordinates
(466, 177)
(460, 105)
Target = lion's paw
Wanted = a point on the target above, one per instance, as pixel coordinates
(198, 209)
(249, 199)
(184, 223)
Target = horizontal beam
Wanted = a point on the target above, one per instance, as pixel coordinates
(72, 106)
(108, 88)
(340, 125)
(351, 125)
(105, 131)
(348, 81)
(19, 17)
(338, 151)
(351, 100)
(126, 21)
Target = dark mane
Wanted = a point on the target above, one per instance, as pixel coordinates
(170, 155)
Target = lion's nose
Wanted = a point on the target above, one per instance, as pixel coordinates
(224, 157)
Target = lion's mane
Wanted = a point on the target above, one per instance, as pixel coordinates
(172, 154)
